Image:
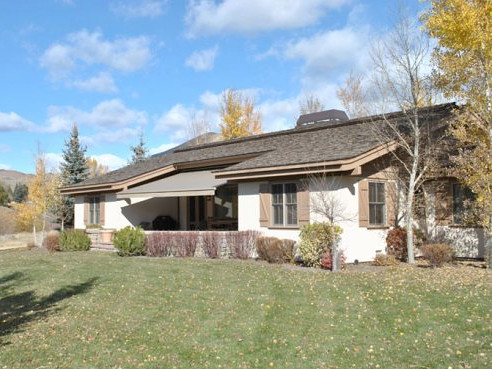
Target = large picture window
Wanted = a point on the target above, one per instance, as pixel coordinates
(462, 196)
(284, 204)
(94, 210)
(377, 204)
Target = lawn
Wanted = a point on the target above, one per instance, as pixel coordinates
(98, 310)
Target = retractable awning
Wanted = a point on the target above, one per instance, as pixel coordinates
(201, 183)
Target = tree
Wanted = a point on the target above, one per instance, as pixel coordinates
(325, 203)
(239, 116)
(96, 169)
(139, 152)
(310, 104)
(464, 71)
(20, 192)
(73, 169)
(4, 197)
(352, 96)
(41, 199)
(400, 81)
(197, 127)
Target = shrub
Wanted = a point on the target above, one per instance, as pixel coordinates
(242, 243)
(385, 260)
(52, 242)
(185, 244)
(316, 239)
(437, 253)
(130, 241)
(159, 244)
(396, 243)
(326, 261)
(74, 240)
(211, 244)
(275, 250)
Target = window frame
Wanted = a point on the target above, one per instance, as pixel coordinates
(377, 203)
(284, 205)
(94, 210)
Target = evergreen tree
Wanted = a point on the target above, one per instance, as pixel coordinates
(4, 197)
(20, 192)
(73, 170)
(139, 152)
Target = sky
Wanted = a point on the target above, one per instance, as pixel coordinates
(119, 68)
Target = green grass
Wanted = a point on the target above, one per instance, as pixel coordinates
(97, 310)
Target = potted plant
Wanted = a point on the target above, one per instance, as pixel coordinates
(107, 235)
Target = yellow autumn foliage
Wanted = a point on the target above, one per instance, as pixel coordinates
(239, 118)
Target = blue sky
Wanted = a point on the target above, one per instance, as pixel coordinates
(119, 67)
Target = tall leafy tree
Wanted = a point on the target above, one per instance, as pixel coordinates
(20, 192)
(352, 96)
(239, 117)
(96, 169)
(464, 71)
(73, 170)
(139, 152)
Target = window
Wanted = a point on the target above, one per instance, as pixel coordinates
(225, 202)
(462, 196)
(284, 204)
(94, 210)
(377, 204)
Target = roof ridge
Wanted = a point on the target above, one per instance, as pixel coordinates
(369, 118)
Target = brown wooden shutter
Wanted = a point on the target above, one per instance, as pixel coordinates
(86, 210)
(391, 204)
(363, 203)
(265, 199)
(102, 209)
(303, 208)
(444, 203)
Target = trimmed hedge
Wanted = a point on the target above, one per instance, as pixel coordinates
(130, 241)
(74, 240)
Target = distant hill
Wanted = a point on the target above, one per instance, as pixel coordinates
(11, 177)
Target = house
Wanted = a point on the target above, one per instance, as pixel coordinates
(271, 182)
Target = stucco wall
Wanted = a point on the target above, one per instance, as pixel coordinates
(357, 243)
(122, 213)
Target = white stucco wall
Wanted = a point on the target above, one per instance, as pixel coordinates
(358, 243)
(122, 213)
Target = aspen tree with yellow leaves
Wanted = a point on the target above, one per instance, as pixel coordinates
(239, 117)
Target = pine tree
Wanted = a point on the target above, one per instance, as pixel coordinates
(139, 152)
(73, 170)
(4, 197)
(20, 192)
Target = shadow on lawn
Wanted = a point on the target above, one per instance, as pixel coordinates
(18, 309)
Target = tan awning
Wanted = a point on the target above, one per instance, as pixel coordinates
(202, 183)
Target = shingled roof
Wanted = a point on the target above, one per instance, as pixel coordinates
(315, 144)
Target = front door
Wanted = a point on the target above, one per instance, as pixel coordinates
(197, 213)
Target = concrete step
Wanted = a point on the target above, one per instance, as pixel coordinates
(103, 247)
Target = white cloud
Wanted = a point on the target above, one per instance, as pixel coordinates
(107, 114)
(141, 9)
(53, 161)
(111, 161)
(102, 82)
(14, 122)
(5, 148)
(5, 166)
(205, 17)
(111, 136)
(162, 148)
(202, 60)
(89, 48)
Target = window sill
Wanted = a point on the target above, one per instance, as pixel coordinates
(464, 226)
(283, 227)
(378, 227)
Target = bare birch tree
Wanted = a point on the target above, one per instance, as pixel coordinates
(197, 127)
(325, 203)
(401, 82)
(310, 104)
(353, 96)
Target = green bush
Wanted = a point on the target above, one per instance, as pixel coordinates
(275, 250)
(130, 241)
(74, 240)
(316, 240)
